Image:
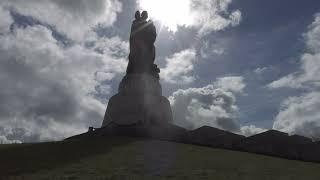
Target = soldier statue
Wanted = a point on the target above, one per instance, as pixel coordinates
(142, 50)
(139, 100)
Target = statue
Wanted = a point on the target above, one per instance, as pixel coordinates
(142, 50)
(140, 100)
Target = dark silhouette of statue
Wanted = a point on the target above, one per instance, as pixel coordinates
(140, 100)
(142, 51)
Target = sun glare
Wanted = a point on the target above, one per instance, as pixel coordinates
(170, 13)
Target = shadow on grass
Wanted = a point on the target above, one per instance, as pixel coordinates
(29, 158)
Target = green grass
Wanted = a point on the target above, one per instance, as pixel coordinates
(134, 158)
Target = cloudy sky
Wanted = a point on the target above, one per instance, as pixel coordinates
(241, 66)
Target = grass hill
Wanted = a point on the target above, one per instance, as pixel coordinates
(140, 158)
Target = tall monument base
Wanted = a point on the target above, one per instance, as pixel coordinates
(139, 102)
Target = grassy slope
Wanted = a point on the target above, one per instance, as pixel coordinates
(130, 158)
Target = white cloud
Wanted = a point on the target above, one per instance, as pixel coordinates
(179, 67)
(208, 18)
(261, 70)
(49, 91)
(231, 83)
(309, 74)
(300, 115)
(251, 130)
(6, 20)
(208, 50)
(112, 46)
(313, 36)
(287, 81)
(4, 140)
(72, 17)
(213, 105)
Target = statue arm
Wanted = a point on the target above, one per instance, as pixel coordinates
(153, 31)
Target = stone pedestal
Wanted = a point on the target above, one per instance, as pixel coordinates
(139, 102)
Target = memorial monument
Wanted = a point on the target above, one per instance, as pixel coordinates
(139, 100)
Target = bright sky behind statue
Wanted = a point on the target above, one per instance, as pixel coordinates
(241, 66)
(170, 13)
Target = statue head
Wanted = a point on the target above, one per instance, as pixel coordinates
(144, 15)
(137, 15)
